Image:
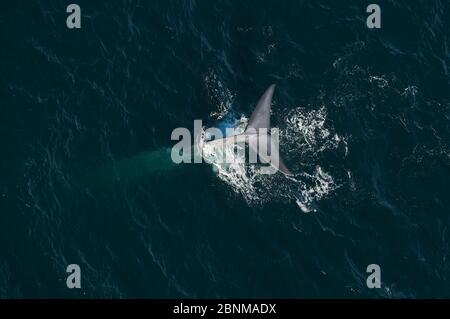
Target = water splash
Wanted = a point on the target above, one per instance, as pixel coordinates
(235, 173)
(306, 135)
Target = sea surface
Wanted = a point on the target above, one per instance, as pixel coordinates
(86, 117)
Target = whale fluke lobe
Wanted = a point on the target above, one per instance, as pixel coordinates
(261, 115)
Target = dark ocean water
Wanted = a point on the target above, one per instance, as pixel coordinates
(364, 116)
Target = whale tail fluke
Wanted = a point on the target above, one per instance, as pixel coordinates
(257, 134)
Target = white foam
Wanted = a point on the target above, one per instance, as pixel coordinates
(309, 132)
(219, 94)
